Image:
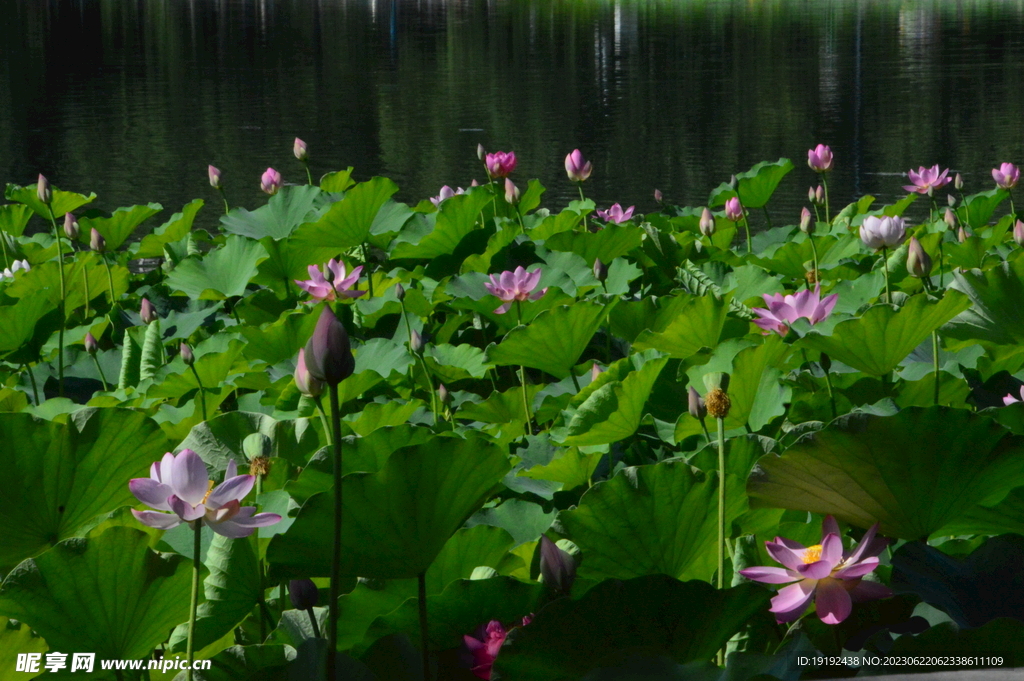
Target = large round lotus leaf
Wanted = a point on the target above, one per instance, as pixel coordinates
(914, 472)
(60, 476)
(1003, 638)
(109, 595)
(395, 521)
(553, 341)
(653, 615)
(221, 439)
(221, 273)
(659, 519)
(995, 313)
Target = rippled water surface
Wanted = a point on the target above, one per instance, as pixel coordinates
(133, 98)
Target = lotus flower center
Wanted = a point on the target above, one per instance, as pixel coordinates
(812, 554)
(210, 489)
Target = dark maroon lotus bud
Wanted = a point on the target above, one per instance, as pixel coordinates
(70, 226)
(303, 593)
(600, 270)
(187, 355)
(825, 362)
(329, 352)
(91, 346)
(557, 567)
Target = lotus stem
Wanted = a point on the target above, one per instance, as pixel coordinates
(721, 514)
(885, 267)
(421, 580)
(3, 243)
(202, 391)
(332, 627)
(522, 377)
(313, 623)
(110, 280)
(582, 198)
(746, 226)
(85, 281)
(575, 381)
(814, 253)
(103, 379)
(196, 563)
(767, 217)
(224, 198)
(430, 384)
(935, 362)
(323, 420)
(32, 380)
(824, 184)
(309, 176)
(369, 272)
(63, 297)
(831, 395)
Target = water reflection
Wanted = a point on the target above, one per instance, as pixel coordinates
(132, 100)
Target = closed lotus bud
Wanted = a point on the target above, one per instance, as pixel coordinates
(187, 356)
(214, 176)
(96, 241)
(557, 567)
(950, 200)
(819, 195)
(399, 292)
(270, 181)
(950, 218)
(595, 371)
(329, 352)
(511, 191)
(707, 223)
(474, 183)
(806, 224)
(657, 196)
(717, 403)
(480, 151)
(825, 362)
(919, 263)
(306, 384)
(733, 209)
(696, 406)
(958, 182)
(443, 394)
(600, 270)
(962, 235)
(1018, 233)
(71, 226)
(300, 150)
(303, 594)
(91, 346)
(416, 342)
(812, 196)
(43, 191)
(147, 311)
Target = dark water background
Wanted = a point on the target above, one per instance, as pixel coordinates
(133, 98)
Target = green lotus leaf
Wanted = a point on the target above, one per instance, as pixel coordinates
(13, 218)
(347, 223)
(109, 594)
(286, 210)
(337, 181)
(655, 614)
(499, 407)
(995, 312)
(219, 274)
(63, 475)
(17, 638)
(553, 341)
(18, 321)
(1006, 516)
(175, 229)
(456, 218)
(222, 438)
(607, 243)
(119, 226)
(906, 471)
(376, 415)
(755, 186)
(1003, 638)
(524, 520)
(45, 279)
(657, 519)
(697, 323)
(450, 363)
(481, 262)
(977, 209)
(397, 520)
(280, 340)
(879, 340)
(261, 661)
(216, 358)
(63, 202)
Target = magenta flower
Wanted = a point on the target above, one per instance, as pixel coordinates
(514, 286)
(733, 209)
(784, 310)
(825, 572)
(480, 650)
(270, 182)
(323, 289)
(616, 214)
(1010, 399)
(178, 484)
(820, 159)
(445, 194)
(878, 232)
(926, 180)
(1006, 176)
(576, 167)
(500, 164)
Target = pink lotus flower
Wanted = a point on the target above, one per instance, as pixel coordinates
(445, 194)
(500, 164)
(514, 286)
(733, 209)
(1010, 399)
(480, 650)
(270, 182)
(825, 572)
(877, 232)
(926, 180)
(820, 159)
(322, 289)
(1006, 176)
(784, 310)
(576, 167)
(616, 214)
(178, 484)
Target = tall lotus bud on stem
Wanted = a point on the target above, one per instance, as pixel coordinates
(733, 209)
(576, 167)
(696, 406)
(919, 264)
(806, 224)
(1018, 233)
(71, 226)
(43, 191)
(416, 342)
(658, 196)
(812, 196)
(214, 174)
(443, 395)
(707, 223)
(511, 192)
(271, 181)
(958, 182)
(480, 152)
(303, 594)
(600, 270)
(91, 346)
(819, 159)
(557, 567)
(329, 351)
(147, 311)
(187, 356)
(301, 150)
(306, 384)
(949, 217)
(400, 292)
(819, 195)
(825, 362)
(96, 241)
(962, 235)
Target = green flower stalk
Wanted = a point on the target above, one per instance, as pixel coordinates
(215, 176)
(45, 195)
(189, 359)
(301, 151)
(717, 403)
(578, 169)
(91, 347)
(820, 160)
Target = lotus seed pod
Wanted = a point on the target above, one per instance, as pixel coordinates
(717, 403)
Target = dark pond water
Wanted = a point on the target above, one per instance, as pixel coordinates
(132, 98)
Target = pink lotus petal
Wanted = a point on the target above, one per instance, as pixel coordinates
(538, 295)
(185, 510)
(785, 555)
(188, 477)
(232, 468)
(151, 493)
(503, 309)
(833, 601)
(861, 551)
(830, 526)
(161, 521)
(233, 489)
(792, 600)
(770, 575)
(832, 550)
(819, 569)
(855, 570)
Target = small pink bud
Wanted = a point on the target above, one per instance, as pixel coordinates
(511, 191)
(919, 264)
(1018, 233)
(819, 195)
(962, 235)
(187, 356)
(91, 346)
(416, 342)
(658, 196)
(147, 311)
(96, 241)
(696, 406)
(443, 394)
(576, 167)
(595, 371)
(214, 176)
(950, 200)
(480, 152)
(300, 150)
(707, 223)
(43, 191)
(806, 224)
(329, 351)
(812, 196)
(71, 226)
(950, 218)
(270, 182)
(733, 209)
(399, 292)
(958, 182)
(306, 384)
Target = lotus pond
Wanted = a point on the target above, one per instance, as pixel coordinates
(476, 437)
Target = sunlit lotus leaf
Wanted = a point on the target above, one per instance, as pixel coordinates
(18, 321)
(375, 415)
(17, 638)
(337, 181)
(178, 227)
(756, 186)
(216, 359)
(977, 209)
(45, 279)
(698, 323)
(108, 594)
(286, 210)
(60, 474)
(879, 340)
(522, 519)
(13, 218)
(499, 407)
(996, 310)
(450, 363)
(219, 274)
(222, 439)
(119, 226)
(62, 203)
(607, 243)
(651, 615)
(398, 519)
(905, 471)
(456, 218)
(553, 341)
(481, 262)
(347, 223)
(280, 340)
(656, 519)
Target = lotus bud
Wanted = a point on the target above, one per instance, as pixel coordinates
(950, 200)
(812, 196)
(696, 406)
(91, 346)
(961, 236)
(400, 292)
(303, 594)
(443, 394)
(919, 264)
(147, 311)
(329, 351)
(557, 567)
(733, 183)
(306, 384)
(958, 182)
(480, 152)
(96, 241)
(600, 270)
(416, 342)
(826, 362)
(71, 226)
(950, 218)
(806, 224)
(214, 174)
(43, 191)
(707, 223)
(658, 197)
(187, 356)
(595, 371)
(1018, 233)
(819, 195)
(820, 159)
(270, 181)
(511, 191)
(300, 150)
(576, 167)
(733, 209)
(474, 183)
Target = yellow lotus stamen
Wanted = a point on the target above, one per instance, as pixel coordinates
(812, 554)
(210, 489)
